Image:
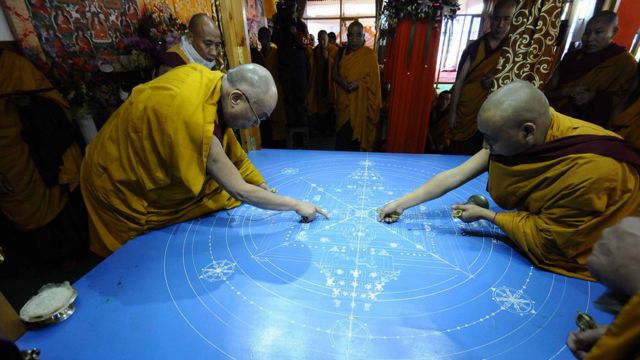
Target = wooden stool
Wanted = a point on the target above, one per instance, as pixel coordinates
(301, 130)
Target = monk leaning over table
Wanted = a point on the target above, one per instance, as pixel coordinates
(566, 179)
(592, 81)
(474, 81)
(358, 94)
(615, 262)
(169, 154)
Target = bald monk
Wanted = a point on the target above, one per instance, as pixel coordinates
(592, 81)
(615, 261)
(474, 80)
(626, 121)
(273, 131)
(169, 154)
(39, 164)
(358, 93)
(201, 45)
(566, 179)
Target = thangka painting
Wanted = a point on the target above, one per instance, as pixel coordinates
(255, 19)
(64, 34)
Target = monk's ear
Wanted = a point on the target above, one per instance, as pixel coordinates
(190, 37)
(235, 97)
(529, 130)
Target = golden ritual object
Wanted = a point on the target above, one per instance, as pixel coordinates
(476, 199)
(585, 321)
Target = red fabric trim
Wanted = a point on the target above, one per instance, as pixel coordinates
(609, 146)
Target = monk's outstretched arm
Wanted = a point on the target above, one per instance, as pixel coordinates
(222, 170)
(438, 185)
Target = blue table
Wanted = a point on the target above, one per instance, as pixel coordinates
(257, 284)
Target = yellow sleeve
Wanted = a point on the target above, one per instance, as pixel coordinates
(239, 158)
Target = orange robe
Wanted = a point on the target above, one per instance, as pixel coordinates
(361, 107)
(321, 82)
(564, 204)
(610, 72)
(333, 52)
(627, 123)
(33, 203)
(147, 166)
(622, 339)
(278, 117)
(483, 61)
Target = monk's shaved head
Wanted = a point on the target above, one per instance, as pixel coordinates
(355, 36)
(205, 36)
(514, 118)
(502, 4)
(607, 16)
(599, 32)
(254, 84)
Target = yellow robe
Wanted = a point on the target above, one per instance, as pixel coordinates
(564, 204)
(627, 124)
(622, 339)
(147, 166)
(278, 117)
(33, 203)
(613, 76)
(473, 94)
(361, 107)
(320, 103)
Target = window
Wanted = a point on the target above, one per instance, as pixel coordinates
(336, 15)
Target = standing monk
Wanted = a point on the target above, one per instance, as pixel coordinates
(592, 81)
(627, 122)
(474, 80)
(566, 179)
(169, 154)
(200, 45)
(358, 94)
(320, 95)
(274, 131)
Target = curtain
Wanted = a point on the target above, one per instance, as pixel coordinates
(628, 22)
(529, 54)
(410, 69)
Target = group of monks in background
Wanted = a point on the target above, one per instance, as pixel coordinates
(169, 153)
(597, 82)
(330, 88)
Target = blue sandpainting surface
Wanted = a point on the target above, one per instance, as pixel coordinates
(248, 283)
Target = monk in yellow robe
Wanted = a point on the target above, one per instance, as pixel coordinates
(358, 94)
(40, 161)
(615, 261)
(627, 122)
(320, 93)
(566, 179)
(201, 45)
(274, 131)
(474, 81)
(169, 154)
(592, 81)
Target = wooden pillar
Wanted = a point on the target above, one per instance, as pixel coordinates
(236, 43)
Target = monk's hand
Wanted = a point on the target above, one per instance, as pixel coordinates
(580, 342)
(390, 213)
(308, 211)
(470, 213)
(487, 82)
(5, 187)
(352, 86)
(582, 95)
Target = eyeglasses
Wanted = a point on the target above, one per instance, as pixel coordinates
(259, 118)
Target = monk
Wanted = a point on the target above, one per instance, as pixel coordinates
(333, 39)
(169, 154)
(201, 45)
(358, 94)
(439, 136)
(320, 95)
(39, 165)
(274, 131)
(475, 79)
(615, 261)
(566, 179)
(626, 122)
(592, 81)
